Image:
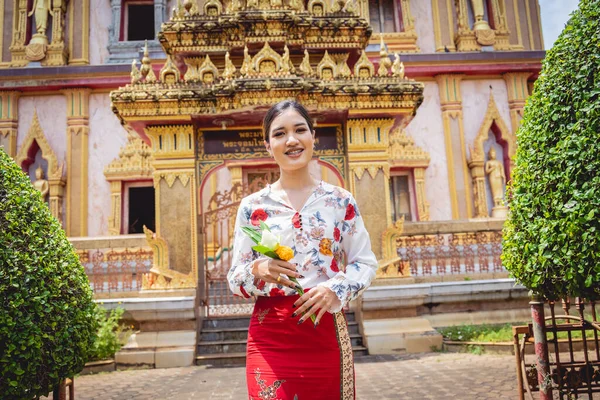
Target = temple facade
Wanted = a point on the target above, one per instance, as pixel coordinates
(143, 118)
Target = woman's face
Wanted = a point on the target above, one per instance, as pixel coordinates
(290, 140)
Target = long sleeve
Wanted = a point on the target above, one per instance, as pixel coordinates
(240, 278)
(361, 266)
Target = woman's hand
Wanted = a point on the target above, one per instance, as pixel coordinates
(275, 271)
(319, 299)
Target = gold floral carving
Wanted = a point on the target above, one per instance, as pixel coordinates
(343, 70)
(404, 152)
(388, 239)
(55, 171)
(369, 135)
(267, 62)
(192, 64)
(134, 161)
(170, 176)
(359, 169)
(481, 34)
(160, 275)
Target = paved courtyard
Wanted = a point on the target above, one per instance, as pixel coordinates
(415, 376)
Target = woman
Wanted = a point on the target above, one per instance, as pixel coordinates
(289, 357)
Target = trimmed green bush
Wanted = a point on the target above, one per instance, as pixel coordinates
(47, 324)
(552, 235)
(110, 334)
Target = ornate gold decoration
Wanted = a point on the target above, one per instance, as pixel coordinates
(133, 164)
(305, 67)
(343, 71)
(297, 5)
(351, 7)
(55, 171)
(398, 67)
(160, 275)
(169, 73)
(213, 8)
(369, 136)
(247, 67)
(422, 203)
(337, 6)
(267, 62)
(477, 161)
(286, 64)
(318, 7)
(403, 151)
(192, 74)
(481, 34)
(364, 69)
(135, 73)
(9, 109)
(146, 69)
(170, 176)
(388, 240)
(327, 68)
(171, 141)
(384, 61)
(208, 71)
(229, 71)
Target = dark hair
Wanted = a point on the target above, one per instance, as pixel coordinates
(280, 107)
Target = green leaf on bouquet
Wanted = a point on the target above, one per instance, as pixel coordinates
(264, 226)
(266, 251)
(254, 235)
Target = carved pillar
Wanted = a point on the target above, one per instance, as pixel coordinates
(422, 203)
(458, 175)
(516, 84)
(236, 174)
(114, 220)
(175, 194)
(79, 32)
(17, 47)
(77, 160)
(115, 27)
(479, 192)
(9, 121)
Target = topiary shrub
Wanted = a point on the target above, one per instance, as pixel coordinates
(552, 234)
(47, 323)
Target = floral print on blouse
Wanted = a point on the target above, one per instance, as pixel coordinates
(331, 246)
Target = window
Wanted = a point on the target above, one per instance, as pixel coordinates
(139, 207)
(401, 197)
(138, 21)
(384, 16)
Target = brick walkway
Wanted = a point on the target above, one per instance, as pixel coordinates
(420, 376)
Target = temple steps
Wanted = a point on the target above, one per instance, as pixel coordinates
(222, 341)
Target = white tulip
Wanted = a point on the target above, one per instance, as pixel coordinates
(269, 240)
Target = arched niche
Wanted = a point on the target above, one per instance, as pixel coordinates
(34, 142)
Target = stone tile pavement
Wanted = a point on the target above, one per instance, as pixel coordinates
(411, 376)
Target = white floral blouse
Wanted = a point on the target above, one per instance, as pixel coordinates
(327, 231)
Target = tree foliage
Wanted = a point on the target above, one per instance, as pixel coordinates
(47, 321)
(552, 235)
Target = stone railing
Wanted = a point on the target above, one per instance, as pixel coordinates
(114, 264)
(425, 249)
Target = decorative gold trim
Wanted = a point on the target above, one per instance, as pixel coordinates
(364, 62)
(170, 68)
(404, 153)
(518, 22)
(327, 62)
(171, 141)
(346, 357)
(529, 27)
(516, 85)
(369, 136)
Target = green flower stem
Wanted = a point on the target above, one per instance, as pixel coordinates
(300, 291)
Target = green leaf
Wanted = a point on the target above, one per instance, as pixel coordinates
(264, 226)
(266, 251)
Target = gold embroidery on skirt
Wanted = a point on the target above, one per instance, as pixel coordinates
(346, 358)
(260, 316)
(267, 392)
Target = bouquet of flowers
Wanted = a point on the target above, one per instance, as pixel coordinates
(268, 244)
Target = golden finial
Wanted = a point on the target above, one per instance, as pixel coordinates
(384, 60)
(135, 73)
(398, 67)
(146, 69)
(247, 64)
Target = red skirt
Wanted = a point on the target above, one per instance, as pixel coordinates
(287, 361)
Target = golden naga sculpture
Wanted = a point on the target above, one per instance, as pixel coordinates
(305, 67)
(229, 71)
(135, 73)
(398, 67)
(247, 67)
(364, 68)
(343, 71)
(384, 61)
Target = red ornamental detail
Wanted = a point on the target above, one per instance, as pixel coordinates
(350, 212)
(276, 292)
(296, 221)
(334, 266)
(257, 216)
(336, 234)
